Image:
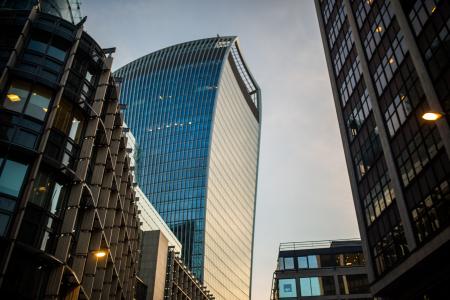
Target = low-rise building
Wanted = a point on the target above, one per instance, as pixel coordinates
(323, 270)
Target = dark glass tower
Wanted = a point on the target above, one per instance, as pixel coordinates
(389, 63)
(65, 9)
(69, 226)
(194, 109)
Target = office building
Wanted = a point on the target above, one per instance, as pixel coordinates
(195, 111)
(156, 238)
(68, 217)
(388, 63)
(148, 216)
(322, 269)
(162, 272)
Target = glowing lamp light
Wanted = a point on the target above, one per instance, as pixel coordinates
(431, 116)
(379, 29)
(13, 97)
(100, 253)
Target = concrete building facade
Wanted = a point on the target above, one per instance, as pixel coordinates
(388, 63)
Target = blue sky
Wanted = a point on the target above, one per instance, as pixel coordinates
(303, 189)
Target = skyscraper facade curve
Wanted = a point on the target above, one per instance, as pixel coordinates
(195, 111)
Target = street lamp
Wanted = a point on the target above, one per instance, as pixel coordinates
(100, 253)
(432, 116)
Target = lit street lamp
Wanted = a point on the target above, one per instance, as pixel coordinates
(432, 116)
(100, 253)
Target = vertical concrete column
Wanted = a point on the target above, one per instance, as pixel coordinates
(99, 280)
(383, 134)
(105, 194)
(348, 156)
(91, 261)
(114, 286)
(106, 288)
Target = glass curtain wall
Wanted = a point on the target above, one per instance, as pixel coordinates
(170, 98)
(193, 109)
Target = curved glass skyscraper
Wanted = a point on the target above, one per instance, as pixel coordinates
(194, 109)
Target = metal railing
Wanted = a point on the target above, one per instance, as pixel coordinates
(292, 246)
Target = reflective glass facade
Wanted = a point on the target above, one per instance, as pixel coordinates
(398, 163)
(194, 111)
(66, 9)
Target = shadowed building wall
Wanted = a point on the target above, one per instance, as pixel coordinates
(389, 63)
(68, 217)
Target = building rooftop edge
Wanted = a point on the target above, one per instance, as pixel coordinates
(229, 37)
(292, 246)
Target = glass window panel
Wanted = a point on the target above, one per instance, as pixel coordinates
(58, 49)
(37, 46)
(66, 159)
(38, 105)
(287, 288)
(327, 285)
(289, 263)
(17, 95)
(53, 65)
(41, 189)
(49, 74)
(76, 126)
(4, 220)
(315, 286)
(312, 261)
(7, 204)
(57, 198)
(280, 263)
(305, 287)
(11, 177)
(327, 260)
(25, 139)
(89, 76)
(303, 262)
(56, 53)
(45, 240)
(63, 117)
